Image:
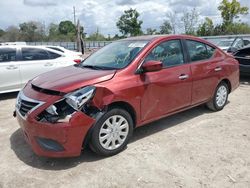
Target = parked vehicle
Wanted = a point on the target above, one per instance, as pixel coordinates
(20, 63)
(243, 56)
(124, 85)
(12, 43)
(234, 44)
(77, 55)
(225, 44)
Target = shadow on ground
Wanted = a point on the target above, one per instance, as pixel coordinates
(25, 154)
(5, 96)
(245, 80)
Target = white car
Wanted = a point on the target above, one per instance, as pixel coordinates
(20, 63)
(66, 51)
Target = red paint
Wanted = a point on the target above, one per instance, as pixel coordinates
(152, 95)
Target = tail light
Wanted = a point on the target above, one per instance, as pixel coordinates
(77, 61)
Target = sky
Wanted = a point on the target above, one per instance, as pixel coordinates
(103, 14)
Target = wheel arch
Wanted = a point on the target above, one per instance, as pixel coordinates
(125, 106)
(120, 104)
(227, 81)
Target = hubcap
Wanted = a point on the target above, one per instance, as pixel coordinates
(221, 96)
(113, 132)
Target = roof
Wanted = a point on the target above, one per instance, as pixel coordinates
(152, 37)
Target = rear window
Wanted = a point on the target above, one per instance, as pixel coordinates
(199, 51)
(57, 49)
(7, 54)
(53, 55)
(29, 54)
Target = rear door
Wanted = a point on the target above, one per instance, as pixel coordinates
(10, 79)
(205, 70)
(34, 62)
(167, 90)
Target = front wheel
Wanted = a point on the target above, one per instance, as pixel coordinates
(220, 97)
(112, 132)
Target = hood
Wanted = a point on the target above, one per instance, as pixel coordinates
(70, 78)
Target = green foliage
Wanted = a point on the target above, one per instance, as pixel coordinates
(128, 23)
(66, 27)
(206, 28)
(96, 36)
(2, 32)
(67, 34)
(11, 34)
(231, 11)
(31, 31)
(151, 31)
(165, 28)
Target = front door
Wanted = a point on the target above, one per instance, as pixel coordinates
(169, 89)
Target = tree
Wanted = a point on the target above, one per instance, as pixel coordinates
(96, 36)
(66, 27)
(173, 21)
(2, 32)
(150, 31)
(231, 11)
(31, 31)
(206, 28)
(128, 23)
(165, 28)
(190, 20)
(11, 34)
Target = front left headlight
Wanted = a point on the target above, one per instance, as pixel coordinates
(78, 98)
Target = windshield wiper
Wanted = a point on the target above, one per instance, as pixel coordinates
(97, 67)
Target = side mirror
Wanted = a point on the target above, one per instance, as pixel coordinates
(151, 66)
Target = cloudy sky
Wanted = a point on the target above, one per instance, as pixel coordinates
(103, 14)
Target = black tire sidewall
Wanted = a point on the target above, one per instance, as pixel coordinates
(96, 145)
(215, 94)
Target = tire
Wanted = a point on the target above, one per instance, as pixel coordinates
(112, 132)
(220, 97)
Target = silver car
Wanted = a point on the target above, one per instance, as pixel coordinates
(19, 64)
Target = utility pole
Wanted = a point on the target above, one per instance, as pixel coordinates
(74, 12)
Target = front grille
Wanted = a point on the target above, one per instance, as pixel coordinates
(26, 106)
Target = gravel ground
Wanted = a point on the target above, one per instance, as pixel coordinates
(195, 148)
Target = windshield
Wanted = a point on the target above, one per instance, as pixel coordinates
(116, 55)
(225, 43)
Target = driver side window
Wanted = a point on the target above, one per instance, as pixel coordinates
(169, 53)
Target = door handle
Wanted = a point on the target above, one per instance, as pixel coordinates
(183, 76)
(217, 69)
(11, 67)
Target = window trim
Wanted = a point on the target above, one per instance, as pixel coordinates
(188, 55)
(182, 45)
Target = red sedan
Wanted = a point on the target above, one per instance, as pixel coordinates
(124, 85)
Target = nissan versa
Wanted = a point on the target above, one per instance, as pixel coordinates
(124, 85)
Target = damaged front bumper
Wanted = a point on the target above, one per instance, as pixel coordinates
(61, 138)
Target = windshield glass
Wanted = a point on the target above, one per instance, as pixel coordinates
(116, 55)
(225, 43)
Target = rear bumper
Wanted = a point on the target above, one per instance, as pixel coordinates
(56, 140)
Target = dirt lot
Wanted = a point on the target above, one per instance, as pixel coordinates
(195, 148)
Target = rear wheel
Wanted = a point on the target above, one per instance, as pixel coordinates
(112, 132)
(220, 97)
